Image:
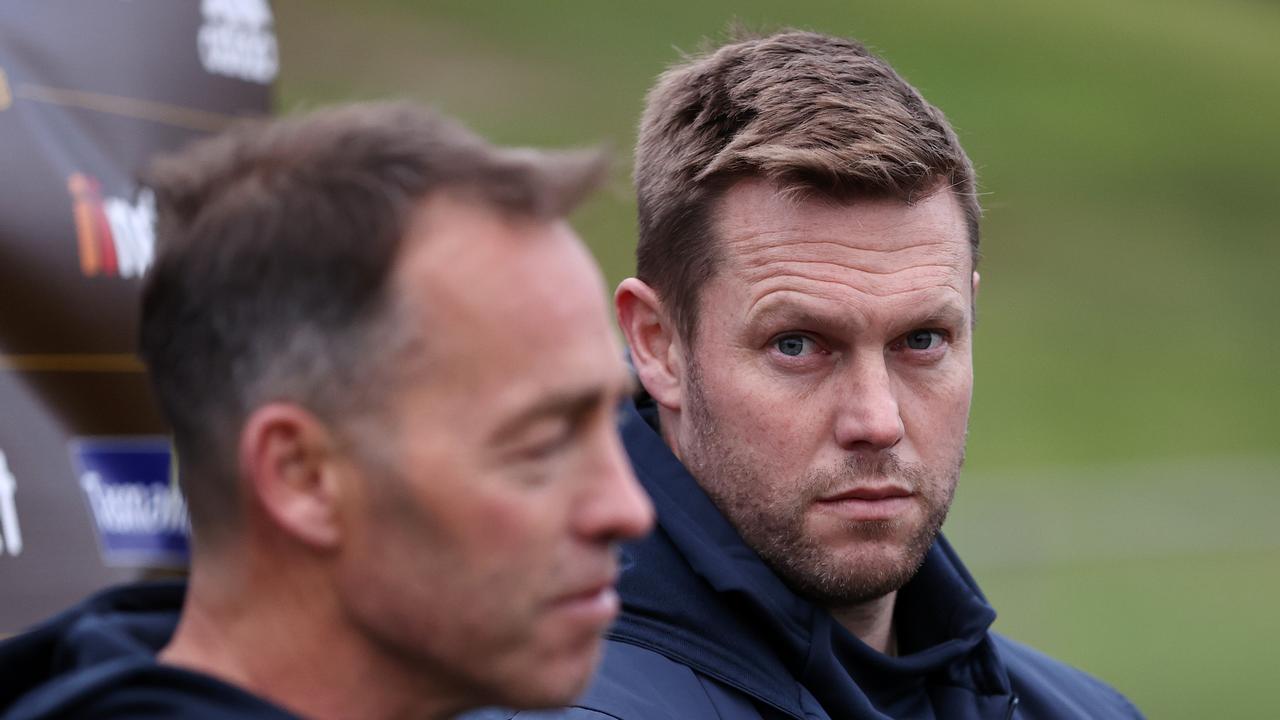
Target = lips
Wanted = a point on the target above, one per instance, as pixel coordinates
(593, 603)
(587, 591)
(867, 503)
(869, 493)
(595, 606)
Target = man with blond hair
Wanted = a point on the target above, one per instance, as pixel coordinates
(801, 321)
(390, 372)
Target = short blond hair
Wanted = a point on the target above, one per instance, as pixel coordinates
(812, 113)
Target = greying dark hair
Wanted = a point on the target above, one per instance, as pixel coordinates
(276, 243)
(812, 113)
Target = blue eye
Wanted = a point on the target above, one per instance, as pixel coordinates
(793, 345)
(923, 339)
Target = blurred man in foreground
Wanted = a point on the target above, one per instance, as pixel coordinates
(392, 380)
(802, 323)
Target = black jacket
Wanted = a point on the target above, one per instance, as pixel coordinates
(708, 631)
(98, 660)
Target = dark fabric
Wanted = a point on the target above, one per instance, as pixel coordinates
(97, 660)
(709, 631)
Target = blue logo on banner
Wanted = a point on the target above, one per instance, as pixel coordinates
(131, 485)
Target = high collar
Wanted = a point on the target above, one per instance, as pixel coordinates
(100, 656)
(694, 591)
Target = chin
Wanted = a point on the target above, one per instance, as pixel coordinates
(857, 571)
(549, 693)
(554, 683)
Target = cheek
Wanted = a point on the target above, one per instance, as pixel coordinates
(935, 409)
(502, 558)
(482, 532)
(475, 512)
(507, 535)
(762, 411)
(771, 430)
(520, 555)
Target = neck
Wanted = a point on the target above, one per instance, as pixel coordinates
(285, 638)
(871, 622)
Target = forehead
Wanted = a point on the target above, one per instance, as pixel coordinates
(505, 305)
(868, 251)
(470, 262)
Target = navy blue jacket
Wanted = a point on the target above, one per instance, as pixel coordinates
(709, 632)
(98, 660)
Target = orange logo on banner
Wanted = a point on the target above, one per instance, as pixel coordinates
(6, 97)
(93, 232)
(116, 237)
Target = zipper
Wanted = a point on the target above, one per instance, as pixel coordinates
(1013, 705)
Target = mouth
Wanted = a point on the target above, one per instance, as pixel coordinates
(870, 502)
(594, 604)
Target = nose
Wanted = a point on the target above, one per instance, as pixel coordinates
(868, 416)
(615, 506)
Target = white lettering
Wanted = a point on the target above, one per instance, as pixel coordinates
(254, 13)
(10, 532)
(237, 40)
(144, 509)
(133, 227)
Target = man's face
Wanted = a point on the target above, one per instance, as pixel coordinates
(483, 557)
(828, 384)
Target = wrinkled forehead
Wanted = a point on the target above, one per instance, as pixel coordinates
(756, 223)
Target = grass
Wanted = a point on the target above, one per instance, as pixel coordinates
(1190, 636)
(1127, 341)
(1159, 577)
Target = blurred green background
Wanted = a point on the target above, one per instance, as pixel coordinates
(1124, 464)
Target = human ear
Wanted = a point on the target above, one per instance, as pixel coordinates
(293, 473)
(656, 349)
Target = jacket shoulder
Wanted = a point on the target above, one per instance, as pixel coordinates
(635, 683)
(1052, 689)
(137, 688)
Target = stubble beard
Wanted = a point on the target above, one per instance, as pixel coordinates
(770, 516)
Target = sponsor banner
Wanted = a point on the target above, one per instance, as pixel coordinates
(51, 556)
(82, 112)
(132, 490)
(89, 93)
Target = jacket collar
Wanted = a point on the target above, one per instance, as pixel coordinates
(695, 592)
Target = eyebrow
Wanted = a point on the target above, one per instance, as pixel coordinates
(947, 314)
(786, 313)
(566, 403)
